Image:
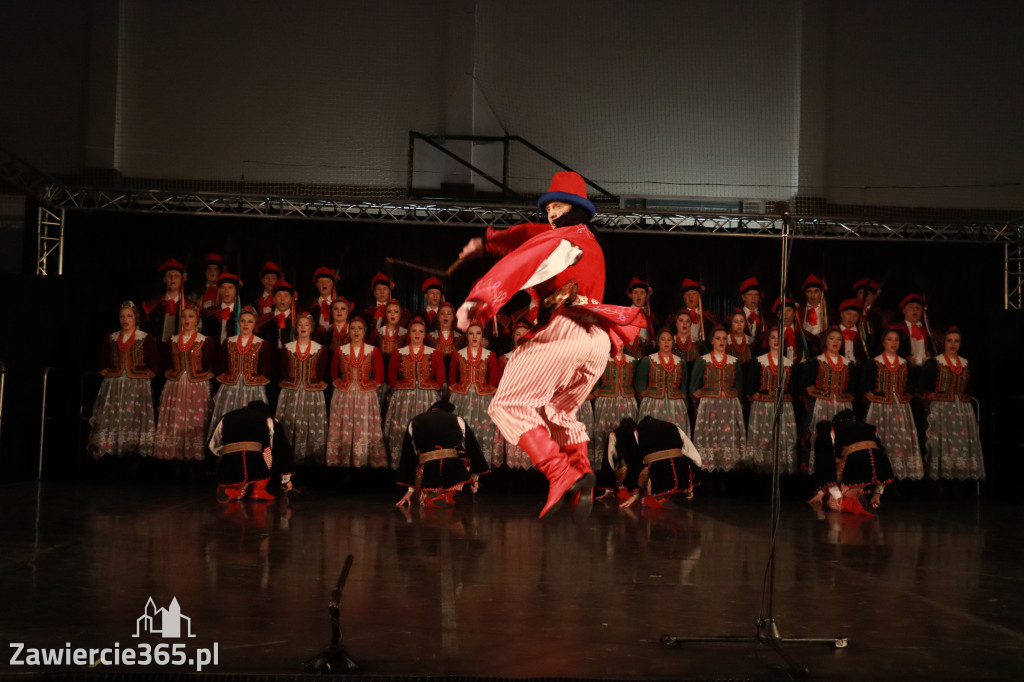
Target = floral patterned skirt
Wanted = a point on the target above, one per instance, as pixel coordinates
(585, 416)
(953, 449)
(472, 407)
(823, 410)
(674, 411)
(233, 397)
(303, 416)
(403, 405)
(608, 414)
(760, 449)
(898, 435)
(122, 418)
(184, 419)
(355, 438)
(719, 435)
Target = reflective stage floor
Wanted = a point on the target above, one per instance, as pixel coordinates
(925, 590)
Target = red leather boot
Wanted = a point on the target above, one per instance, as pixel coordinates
(853, 505)
(582, 501)
(562, 477)
(259, 491)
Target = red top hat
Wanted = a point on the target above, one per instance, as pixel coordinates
(570, 188)
(324, 271)
(638, 284)
(381, 278)
(749, 284)
(228, 278)
(171, 264)
(790, 303)
(214, 259)
(270, 266)
(432, 283)
(851, 304)
(869, 284)
(912, 298)
(691, 285)
(815, 282)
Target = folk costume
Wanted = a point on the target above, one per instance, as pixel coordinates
(220, 321)
(873, 317)
(702, 322)
(915, 340)
(246, 366)
(301, 408)
(854, 348)
(209, 295)
(849, 460)
(429, 312)
(615, 397)
(160, 316)
(185, 402)
(415, 378)
(559, 360)
(355, 438)
(686, 348)
(719, 435)
(815, 319)
(793, 339)
(666, 462)
(661, 383)
(762, 382)
(472, 381)
(278, 327)
(757, 327)
(826, 391)
(320, 309)
(333, 337)
(122, 419)
(742, 347)
(645, 339)
(885, 388)
(440, 454)
(264, 305)
(247, 443)
(952, 445)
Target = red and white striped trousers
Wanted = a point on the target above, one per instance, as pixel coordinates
(547, 379)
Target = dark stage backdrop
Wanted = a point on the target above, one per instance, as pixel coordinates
(113, 257)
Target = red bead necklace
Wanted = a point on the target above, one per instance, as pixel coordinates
(893, 366)
(667, 366)
(837, 365)
(125, 345)
(955, 368)
(184, 348)
(719, 363)
(243, 349)
(299, 354)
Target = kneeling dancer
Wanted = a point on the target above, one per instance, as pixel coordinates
(247, 442)
(849, 461)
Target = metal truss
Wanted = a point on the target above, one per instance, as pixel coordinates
(49, 240)
(1013, 296)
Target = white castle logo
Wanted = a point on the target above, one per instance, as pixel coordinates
(164, 622)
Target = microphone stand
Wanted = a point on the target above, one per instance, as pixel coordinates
(767, 631)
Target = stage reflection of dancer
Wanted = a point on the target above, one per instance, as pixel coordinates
(952, 448)
(244, 364)
(850, 460)
(885, 387)
(185, 401)
(762, 381)
(301, 409)
(248, 442)
(415, 375)
(661, 383)
(556, 364)
(122, 418)
(355, 438)
(440, 455)
(473, 380)
(665, 463)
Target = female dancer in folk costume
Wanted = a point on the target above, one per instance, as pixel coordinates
(952, 448)
(245, 363)
(514, 456)
(683, 343)
(336, 334)
(664, 464)
(185, 402)
(850, 461)
(762, 381)
(639, 293)
(826, 384)
(122, 417)
(445, 337)
(355, 438)
(301, 408)
(472, 379)
(661, 383)
(615, 397)
(440, 455)
(415, 375)
(555, 365)
(741, 345)
(391, 335)
(884, 386)
(716, 382)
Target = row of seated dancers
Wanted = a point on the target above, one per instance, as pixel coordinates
(331, 395)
